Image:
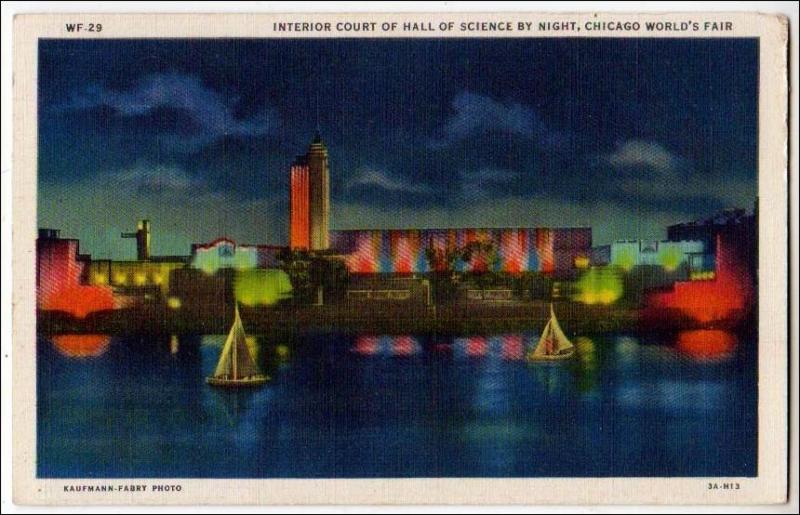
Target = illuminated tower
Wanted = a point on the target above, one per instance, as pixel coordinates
(309, 199)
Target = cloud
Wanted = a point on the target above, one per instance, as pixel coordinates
(694, 186)
(650, 172)
(371, 178)
(155, 178)
(486, 182)
(637, 153)
(474, 114)
(212, 113)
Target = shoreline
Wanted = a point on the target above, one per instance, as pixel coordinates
(455, 319)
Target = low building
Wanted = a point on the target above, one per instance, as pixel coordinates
(669, 255)
(511, 250)
(129, 275)
(59, 264)
(226, 253)
(385, 289)
(735, 226)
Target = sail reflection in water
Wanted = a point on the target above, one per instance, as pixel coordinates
(81, 345)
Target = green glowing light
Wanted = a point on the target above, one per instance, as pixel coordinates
(624, 259)
(670, 257)
(261, 287)
(599, 286)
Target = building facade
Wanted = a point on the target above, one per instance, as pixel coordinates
(670, 255)
(511, 250)
(226, 253)
(309, 199)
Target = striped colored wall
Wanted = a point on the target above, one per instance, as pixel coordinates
(518, 249)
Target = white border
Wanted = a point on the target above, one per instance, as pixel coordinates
(149, 6)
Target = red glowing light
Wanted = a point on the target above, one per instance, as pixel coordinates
(706, 343)
(299, 213)
(513, 348)
(544, 247)
(725, 298)
(79, 300)
(81, 345)
(404, 346)
(366, 345)
(476, 346)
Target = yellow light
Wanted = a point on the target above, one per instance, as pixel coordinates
(119, 278)
(581, 262)
(100, 278)
(607, 296)
(158, 278)
(173, 302)
(282, 351)
(140, 279)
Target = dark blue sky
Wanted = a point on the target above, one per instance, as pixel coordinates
(624, 135)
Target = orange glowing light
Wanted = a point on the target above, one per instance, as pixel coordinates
(707, 343)
(299, 210)
(79, 300)
(81, 345)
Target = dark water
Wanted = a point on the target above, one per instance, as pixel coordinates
(343, 406)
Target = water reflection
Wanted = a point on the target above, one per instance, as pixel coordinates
(81, 345)
(386, 345)
(585, 366)
(397, 406)
(510, 347)
(707, 344)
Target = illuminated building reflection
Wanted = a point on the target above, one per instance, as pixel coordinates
(81, 345)
(399, 346)
(510, 347)
(707, 344)
(586, 365)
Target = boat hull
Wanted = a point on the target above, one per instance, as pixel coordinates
(552, 357)
(247, 382)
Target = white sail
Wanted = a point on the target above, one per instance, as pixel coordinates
(563, 342)
(541, 347)
(236, 360)
(553, 341)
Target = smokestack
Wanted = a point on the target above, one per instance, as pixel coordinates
(142, 236)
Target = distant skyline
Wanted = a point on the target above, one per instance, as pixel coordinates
(626, 136)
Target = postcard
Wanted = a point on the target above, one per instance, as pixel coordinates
(378, 258)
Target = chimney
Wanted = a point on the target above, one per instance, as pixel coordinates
(142, 236)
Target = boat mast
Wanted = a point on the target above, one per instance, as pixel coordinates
(235, 343)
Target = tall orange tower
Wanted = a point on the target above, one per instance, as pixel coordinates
(309, 199)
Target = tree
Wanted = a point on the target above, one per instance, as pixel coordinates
(296, 264)
(314, 275)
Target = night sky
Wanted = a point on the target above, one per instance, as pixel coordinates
(623, 135)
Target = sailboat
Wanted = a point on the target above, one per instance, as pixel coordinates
(236, 366)
(553, 344)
